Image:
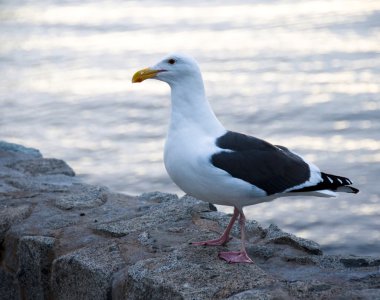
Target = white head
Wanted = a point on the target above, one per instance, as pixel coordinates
(189, 103)
(173, 69)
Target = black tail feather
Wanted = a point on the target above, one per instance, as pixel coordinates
(331, 182)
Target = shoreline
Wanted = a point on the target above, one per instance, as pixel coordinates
(61, 238)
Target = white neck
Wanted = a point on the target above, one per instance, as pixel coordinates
(190, 107)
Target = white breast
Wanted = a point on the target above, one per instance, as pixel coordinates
(187, 161)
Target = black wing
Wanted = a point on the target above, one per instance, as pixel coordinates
(271, 168)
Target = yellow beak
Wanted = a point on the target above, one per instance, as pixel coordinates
(144, 74)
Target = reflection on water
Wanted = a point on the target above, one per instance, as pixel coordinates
(300, 73)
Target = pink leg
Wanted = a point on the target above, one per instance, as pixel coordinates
(239, 256)
(225, 237)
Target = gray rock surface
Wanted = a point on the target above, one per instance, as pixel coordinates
(35, 258)
(86, 273)
(63, 239)
(10, 147)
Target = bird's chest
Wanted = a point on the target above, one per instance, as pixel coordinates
(187, 158)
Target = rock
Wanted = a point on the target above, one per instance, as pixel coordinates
(63, 239)
(9, 289)
(113, 229)
(166, 211)
(40, 166)
(157, 197)
(86, 273)
(277, 236)
(39, 184)
(82, 196)
(35, 257)
(358, 262)
(9, 147)
(11, 214)
(190, 275)
(261, 294)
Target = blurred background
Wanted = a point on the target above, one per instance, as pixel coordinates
(304, 74)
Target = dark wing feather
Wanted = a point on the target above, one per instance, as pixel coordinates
(330, 182)
(271, 168)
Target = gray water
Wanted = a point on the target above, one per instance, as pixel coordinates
(304, 74)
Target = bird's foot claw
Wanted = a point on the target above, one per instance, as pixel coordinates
(235, 257)
(217, 242)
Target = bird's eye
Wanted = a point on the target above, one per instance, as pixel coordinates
(171, 61)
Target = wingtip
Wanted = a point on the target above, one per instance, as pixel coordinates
(347, 189)
(354, 190)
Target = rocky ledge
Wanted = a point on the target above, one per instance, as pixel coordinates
(63, 239)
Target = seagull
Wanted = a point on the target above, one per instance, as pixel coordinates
(224, 167)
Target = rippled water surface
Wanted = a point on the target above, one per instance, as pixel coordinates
(304, 74)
